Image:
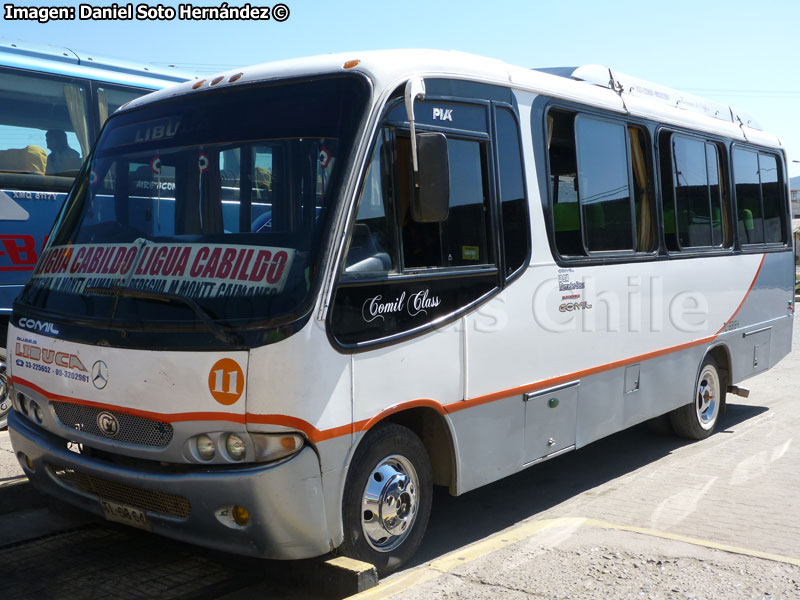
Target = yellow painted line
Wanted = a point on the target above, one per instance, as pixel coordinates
(501, 540)
(466, 555)
(697, 542)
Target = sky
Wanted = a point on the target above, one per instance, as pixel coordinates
(740, 52)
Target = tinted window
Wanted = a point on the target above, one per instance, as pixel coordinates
(772, 198)
(719, 208)
(601, 185)
(692, 209)
(695, 213)
(372, 247)
(514, 207)
(748, 197)
(110, 98)
(44, 128)
(461, 240)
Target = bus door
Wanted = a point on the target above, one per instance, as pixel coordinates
(408, 282)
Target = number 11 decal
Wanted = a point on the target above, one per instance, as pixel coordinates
(226, 381)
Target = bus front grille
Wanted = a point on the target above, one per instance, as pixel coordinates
(152, 501)
(129, 428)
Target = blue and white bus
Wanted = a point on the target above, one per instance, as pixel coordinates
(53, 102)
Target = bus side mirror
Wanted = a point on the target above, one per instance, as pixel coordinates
(430, 202)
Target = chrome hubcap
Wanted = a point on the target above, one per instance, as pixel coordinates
(707, 403)
(389, 504)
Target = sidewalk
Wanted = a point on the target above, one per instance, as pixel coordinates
(582, 559)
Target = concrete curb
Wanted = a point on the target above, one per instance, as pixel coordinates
(346, 576)
(332, 579)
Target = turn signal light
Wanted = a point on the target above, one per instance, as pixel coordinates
(240, 515)
(272, 446)
(350, 64)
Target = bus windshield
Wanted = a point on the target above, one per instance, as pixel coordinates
(220, 198)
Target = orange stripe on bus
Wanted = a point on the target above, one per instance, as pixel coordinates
(750, 289)
(164, 417)
(539, 385)
(320, 435)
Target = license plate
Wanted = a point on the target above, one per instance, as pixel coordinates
(125, 514)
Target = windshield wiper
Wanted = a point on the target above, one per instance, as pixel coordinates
(220, 332)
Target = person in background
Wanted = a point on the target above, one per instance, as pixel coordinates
(61, 158)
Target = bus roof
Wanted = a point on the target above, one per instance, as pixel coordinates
(75, 63)
(593, 84)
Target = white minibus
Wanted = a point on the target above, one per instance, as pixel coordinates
(281, 304)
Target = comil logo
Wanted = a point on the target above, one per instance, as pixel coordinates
(40, 326)
(108, 424)
(226, 381)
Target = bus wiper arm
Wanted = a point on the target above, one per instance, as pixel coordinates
(220, 332)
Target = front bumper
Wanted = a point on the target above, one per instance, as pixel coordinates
(285, 500)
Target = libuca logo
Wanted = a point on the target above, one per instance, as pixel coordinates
(412, 304)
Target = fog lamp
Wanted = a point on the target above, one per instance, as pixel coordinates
(235, 446)
(205, 447)
(24, 458)
(37, 412)
(241, 515)
(23, 404)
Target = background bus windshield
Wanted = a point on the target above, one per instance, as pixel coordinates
(220, 198)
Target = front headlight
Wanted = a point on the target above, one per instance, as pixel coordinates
(235, 446)
(272, 446)
(205, 447)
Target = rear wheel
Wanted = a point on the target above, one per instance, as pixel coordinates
(696, 420)
(387, 498)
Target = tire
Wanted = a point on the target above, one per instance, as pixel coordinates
(661, 425)
(696, 420)
(5, 400)
(387, 498)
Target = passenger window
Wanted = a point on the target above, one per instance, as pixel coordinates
(371, 250)
(695, 214)
(110, 98)
(44, 130)
(759, 197)
(603, 185)
(772, 197)
(601, 188)
(459, 241)
(514, 206)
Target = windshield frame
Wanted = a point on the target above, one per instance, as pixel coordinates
(255, 329)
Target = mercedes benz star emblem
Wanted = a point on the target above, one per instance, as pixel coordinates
(99, 374)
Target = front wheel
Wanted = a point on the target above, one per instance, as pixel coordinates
(5, 400)
(387, 498)
(696, 420)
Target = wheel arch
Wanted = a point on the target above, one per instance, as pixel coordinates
(722, 356)
(428, 421)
